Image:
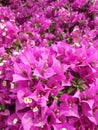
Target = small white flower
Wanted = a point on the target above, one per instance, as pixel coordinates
(15, 121)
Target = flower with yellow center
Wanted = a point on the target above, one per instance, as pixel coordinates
(35, 109)
(30, 100)
(15, 121)
(4, 83)
(27, 100)
(12, 86)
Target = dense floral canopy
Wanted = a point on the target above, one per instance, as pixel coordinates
(48, 64)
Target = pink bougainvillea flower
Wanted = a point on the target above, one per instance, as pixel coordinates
(48, 65)
(22, 72)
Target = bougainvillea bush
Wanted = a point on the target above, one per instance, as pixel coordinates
(48, 64)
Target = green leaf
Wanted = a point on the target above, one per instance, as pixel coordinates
(2, 107)
(69, 91)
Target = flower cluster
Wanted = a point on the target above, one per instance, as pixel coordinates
(48, 64)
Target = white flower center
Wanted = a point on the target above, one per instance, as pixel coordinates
(15, 121)
(35, 109)
(12, 85)
(27, 100)
(4, 83)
